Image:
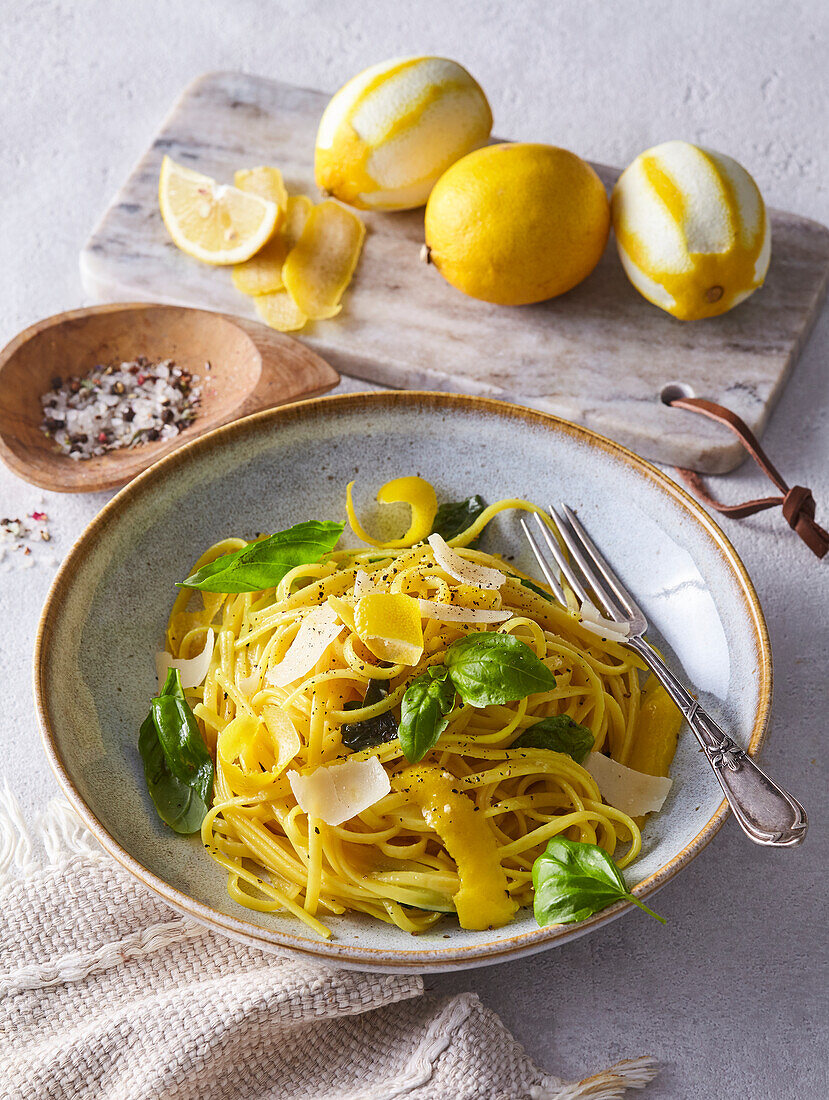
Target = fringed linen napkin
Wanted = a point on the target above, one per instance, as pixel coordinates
(106, 992)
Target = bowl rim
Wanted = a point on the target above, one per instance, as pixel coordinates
(332, 951)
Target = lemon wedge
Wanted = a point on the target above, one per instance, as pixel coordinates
(212, 222)
(388, 624)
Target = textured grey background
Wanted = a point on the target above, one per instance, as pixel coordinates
(731, 995)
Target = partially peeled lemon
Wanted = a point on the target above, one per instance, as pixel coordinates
(691, 229)
(390, 132)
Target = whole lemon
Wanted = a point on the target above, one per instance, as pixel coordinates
(691, 229)
(517, 223)
(389, 133)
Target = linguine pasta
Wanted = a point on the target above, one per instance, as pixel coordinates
(468, 819)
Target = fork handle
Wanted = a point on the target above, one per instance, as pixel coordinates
(766, 813)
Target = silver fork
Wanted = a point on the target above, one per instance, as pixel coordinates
(766, 813)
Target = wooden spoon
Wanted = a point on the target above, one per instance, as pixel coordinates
(252, 368)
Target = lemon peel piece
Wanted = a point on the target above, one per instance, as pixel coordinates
(418, 493)
(483, 900)
(254, 753)
(389, 625)
(320, 265)
(264, 181)
(214, 223)
(280, 311)
(656, 732)
(262, 273)
(296, 215)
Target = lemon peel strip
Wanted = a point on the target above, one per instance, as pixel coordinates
(280, 311)
(266, 182)
(418, 493)
(262, 273)
(319, 267)
(483, 900)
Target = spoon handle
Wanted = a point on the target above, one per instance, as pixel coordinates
(766, 813)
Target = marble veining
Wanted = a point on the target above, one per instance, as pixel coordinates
(599, 355)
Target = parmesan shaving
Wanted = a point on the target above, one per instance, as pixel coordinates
(596, 623)
(632, 792)
(193, 669)
(316, 633)
(467, 572)
(337, 792)
(365, 584)
(450, 613)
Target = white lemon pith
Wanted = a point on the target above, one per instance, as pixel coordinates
(691, 229)
(211, 222)
(390, 132)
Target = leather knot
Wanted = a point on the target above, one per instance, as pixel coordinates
(797, 503)
(799, 511)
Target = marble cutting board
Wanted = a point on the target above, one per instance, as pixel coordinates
(600, 355)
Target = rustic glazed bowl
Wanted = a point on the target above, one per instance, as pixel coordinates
(105, 616)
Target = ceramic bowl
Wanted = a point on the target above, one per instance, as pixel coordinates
(105, 616)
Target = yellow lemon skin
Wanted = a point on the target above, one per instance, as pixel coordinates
(391, 131)
(692, 230)
(517, 223)
(389, 625)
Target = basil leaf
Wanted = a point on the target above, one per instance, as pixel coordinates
(573, 880)
(172, 685)
(452, 519)
(496, 668)
(178, 769)
(372, 731)
(263, 564)
(558, 733)
(533, 587)
(422, 721)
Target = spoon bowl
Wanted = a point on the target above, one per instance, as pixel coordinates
(251, 368)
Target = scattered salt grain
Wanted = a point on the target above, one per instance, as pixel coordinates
(120, 405)
(17, 536)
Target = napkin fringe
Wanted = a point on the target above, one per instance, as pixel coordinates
(58, 832)
(611, 1084)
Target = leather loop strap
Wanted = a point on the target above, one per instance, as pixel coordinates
(798, 502)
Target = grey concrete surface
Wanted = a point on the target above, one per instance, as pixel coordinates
(730, 996)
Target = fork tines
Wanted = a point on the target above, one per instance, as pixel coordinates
(585, 568)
